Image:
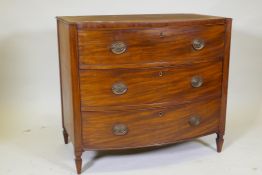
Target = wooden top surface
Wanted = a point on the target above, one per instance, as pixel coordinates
(141, 18)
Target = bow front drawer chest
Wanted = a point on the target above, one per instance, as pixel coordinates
(131, 81)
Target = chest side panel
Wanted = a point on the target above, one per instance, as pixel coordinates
(66, 78)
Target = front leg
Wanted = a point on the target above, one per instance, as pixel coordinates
(78, 161)
(219, 141)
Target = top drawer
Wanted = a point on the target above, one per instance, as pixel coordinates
(145, 47)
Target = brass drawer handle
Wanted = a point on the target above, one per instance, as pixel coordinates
(198, 44)
(197, 81)
(194, 120)
(118, 47)
(119, 88)
(120, 129)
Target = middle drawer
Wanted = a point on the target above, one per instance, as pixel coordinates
(134, 88)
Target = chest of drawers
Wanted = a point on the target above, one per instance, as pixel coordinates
(133, 81)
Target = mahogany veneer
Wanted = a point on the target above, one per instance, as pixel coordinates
(133, 81)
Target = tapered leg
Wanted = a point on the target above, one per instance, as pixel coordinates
(78, 161)
(220, 141)
(65, 136)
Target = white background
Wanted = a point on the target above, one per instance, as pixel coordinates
(30, 122)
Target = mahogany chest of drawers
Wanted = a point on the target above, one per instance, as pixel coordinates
(133, 81)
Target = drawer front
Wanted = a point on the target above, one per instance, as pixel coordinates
(139, 88)
(134, 47)
(138, 128)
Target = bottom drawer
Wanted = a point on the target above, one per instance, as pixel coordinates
(140, 128)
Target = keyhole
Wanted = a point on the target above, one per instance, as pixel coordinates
(161, 35)
(160, 114)
(160, 73)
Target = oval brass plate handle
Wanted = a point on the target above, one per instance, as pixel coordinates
(197, 81)
(119, 88)
(198, 44)
(194, 120)
(120, 129)
(118, 47)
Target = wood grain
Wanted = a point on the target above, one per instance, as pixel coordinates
(137, 18)
(147, 128)
(146, 87)
(66, 79)
(145, 46)
(142, 20)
